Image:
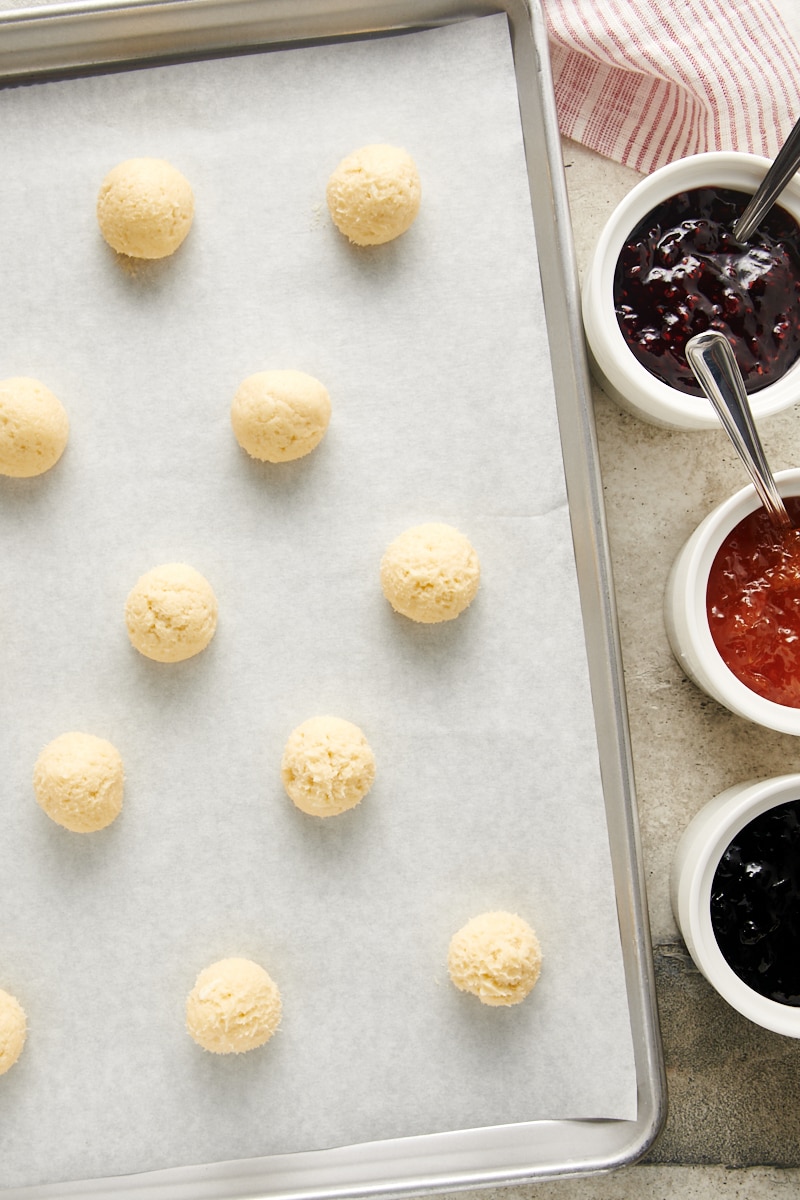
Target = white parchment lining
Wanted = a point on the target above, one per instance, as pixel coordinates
(488, 792)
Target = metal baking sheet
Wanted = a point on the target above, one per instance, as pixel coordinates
(69, 41)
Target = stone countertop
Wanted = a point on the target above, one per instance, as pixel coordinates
(658, 485)
(734, 1089)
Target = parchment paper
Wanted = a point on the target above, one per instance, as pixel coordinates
(488, 792)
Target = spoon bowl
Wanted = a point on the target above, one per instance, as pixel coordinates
(712, 360)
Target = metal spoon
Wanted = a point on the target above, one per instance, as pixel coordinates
(773, 183)
(710, 356)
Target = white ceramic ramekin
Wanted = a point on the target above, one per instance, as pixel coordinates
(616, 369)
(697, 856)
(687, 622)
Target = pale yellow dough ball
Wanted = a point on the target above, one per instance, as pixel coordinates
(278, 416)
(374, 194)
(496, 957)
(430, 573)
(78, 780)
(13, 1027)
(327, 766)
(234, 1006)
(145, 208)
(171, 613)
(34, 427)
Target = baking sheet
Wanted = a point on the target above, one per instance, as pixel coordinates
(488, 793)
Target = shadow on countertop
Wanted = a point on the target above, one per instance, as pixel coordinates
(733, 1087)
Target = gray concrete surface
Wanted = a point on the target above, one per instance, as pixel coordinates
(660, 1183)
(734, 1088)
(734, 1099)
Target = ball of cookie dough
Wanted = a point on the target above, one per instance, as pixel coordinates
(145, 208)
(278, 416)
(78, 780)
(496, 957)
(171, 613)
(430, 573)
(34, 427)
(374, 194)
(327, 766)
(234, 1006)
(13, 1027)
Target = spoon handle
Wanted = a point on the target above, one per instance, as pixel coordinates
(783, 168)
(711, 358)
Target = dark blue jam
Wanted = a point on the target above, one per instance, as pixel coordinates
(755, 904)
(682, 272)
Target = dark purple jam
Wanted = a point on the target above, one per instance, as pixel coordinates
(682, 272)
(755, 904)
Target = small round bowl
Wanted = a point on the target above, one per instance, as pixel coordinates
(687, 623)
(615, 367)
(697, 856)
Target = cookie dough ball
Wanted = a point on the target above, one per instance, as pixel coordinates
(171, 613)
(278, 416)
(496, 957)
(78, 780)
(34, 428)
(145, 208)
(13, 1027)
(374, 194)
(234, 1006)
(327, 766)
(430, 573)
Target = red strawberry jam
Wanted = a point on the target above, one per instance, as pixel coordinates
(753, 605)
(682, 272)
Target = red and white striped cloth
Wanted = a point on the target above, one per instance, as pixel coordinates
(648, 81)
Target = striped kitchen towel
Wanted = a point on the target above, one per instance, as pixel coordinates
(648, 81)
